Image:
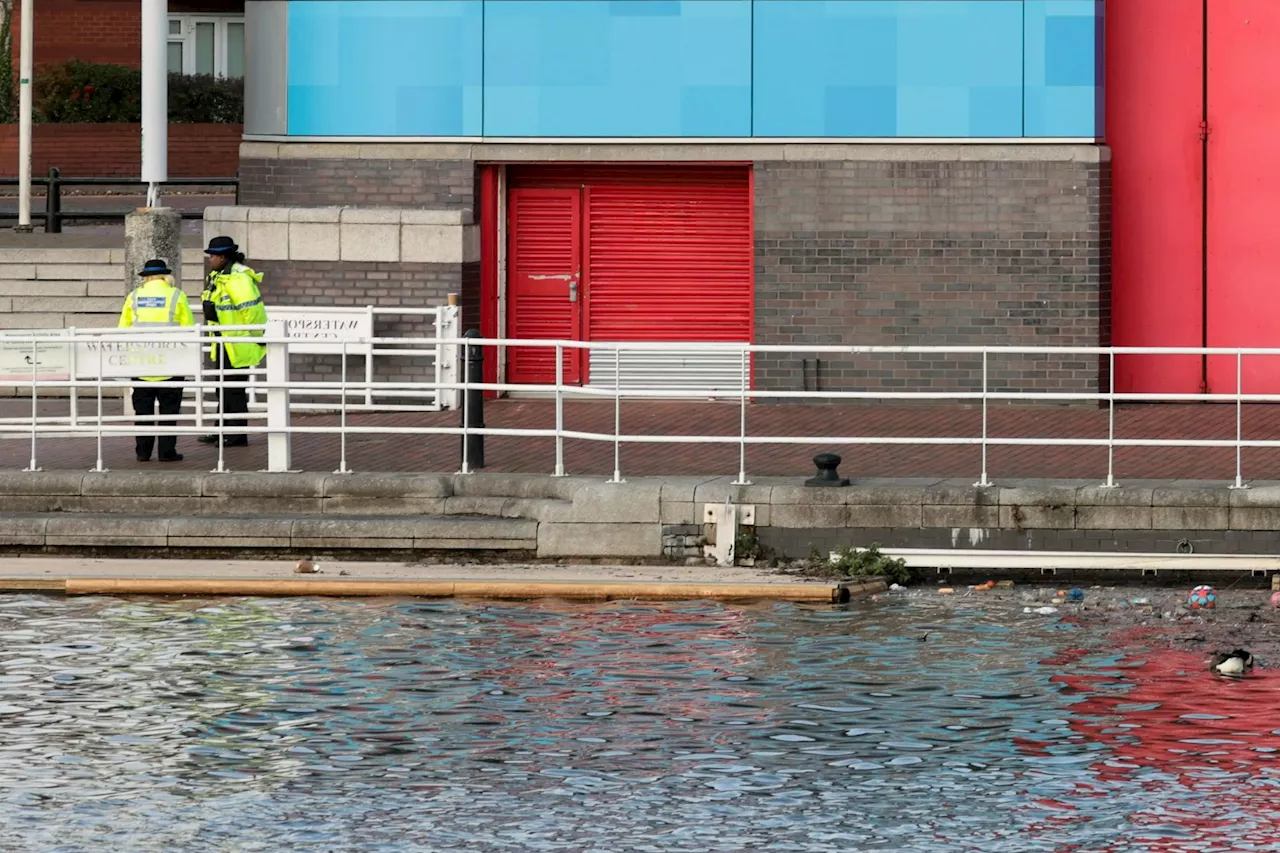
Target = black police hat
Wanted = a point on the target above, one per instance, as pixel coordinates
(222, 246)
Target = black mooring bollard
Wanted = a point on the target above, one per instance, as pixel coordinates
(827, 475)
(473, 401)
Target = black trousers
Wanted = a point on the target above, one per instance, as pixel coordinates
(145, 397)
(234, 397)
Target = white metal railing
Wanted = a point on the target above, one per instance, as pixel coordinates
(319, 330)
(92, 369)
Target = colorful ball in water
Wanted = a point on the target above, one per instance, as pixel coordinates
(1202, 597)
(1275, 599)
(1076, 594)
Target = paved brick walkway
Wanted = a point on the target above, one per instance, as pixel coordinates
(537, 455)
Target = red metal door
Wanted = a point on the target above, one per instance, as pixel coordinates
(544, 238)
(670, 260)
(1154, 106)
(1244, 191)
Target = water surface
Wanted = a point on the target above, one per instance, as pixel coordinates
(317, 724)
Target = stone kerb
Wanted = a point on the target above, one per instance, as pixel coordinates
(354, 234)
(590, 518)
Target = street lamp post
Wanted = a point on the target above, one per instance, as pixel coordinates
(24, 118)
(155, 97)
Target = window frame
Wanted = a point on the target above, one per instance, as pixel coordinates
(187, 39)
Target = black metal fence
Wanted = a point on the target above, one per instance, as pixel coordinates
(53, 215)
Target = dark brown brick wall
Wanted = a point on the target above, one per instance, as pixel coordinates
(434, 184)
(931, 253)
(349, 283)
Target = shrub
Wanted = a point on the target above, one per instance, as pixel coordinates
(96, 93)
(862, 563)
(8, 95)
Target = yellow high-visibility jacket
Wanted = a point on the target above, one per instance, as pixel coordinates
(156, 303)
(235, 296)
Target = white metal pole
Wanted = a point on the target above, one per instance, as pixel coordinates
(155, 97)
(24, 117)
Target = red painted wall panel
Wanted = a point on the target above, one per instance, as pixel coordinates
(1244, 191)
(1154, 85)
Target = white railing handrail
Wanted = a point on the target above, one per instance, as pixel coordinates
(450, 383)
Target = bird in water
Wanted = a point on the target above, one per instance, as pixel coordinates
(1236, 662)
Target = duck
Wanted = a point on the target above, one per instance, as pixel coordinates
(1236, 662)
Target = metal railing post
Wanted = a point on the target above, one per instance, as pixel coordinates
(222, 416)
(53, 202)
(99, 467)
(559, 472)
(617, 416)
(342, 415)
(279, 436)
(472, 403)
(983, 482)
(1111, 426)
(1239, 483)
(742, 424)
(35, 362)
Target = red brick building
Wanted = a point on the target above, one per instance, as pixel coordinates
(205, 37)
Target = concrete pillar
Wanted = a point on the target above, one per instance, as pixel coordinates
(152, 233)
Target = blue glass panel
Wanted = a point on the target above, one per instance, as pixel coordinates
(914, 68)
(1063, 88)
(385, 67)
(673, 68)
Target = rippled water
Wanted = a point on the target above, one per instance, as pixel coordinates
(246, 724)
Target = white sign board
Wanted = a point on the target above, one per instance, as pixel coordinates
(43, 360)
(177, 355)
(321, 331)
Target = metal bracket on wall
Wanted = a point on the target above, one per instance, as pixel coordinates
(722, 522)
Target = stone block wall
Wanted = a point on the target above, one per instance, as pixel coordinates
(356, 256)
(959, 252)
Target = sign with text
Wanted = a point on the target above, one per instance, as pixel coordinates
(44, 360)
(176, 355)
(321, 331)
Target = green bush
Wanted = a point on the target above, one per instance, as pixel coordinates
(8, 93)
(97, 93)
(860, 564)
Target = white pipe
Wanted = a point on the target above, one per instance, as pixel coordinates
(24, 117)
(155, 97)
(949, 558)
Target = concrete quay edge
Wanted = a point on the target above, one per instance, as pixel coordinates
(550, 517)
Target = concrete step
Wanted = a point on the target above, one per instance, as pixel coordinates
(306, 533)
(12, 255)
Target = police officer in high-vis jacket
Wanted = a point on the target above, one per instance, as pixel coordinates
(156, 303)
(231, 298)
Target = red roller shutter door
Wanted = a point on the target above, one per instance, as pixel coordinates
(545, 248)
(667, 255)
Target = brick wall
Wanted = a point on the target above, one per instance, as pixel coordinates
(97, 30)
(350, 283)
(434, 184)
(115, 150)
(932, 253)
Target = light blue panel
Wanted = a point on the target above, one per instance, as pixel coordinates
(1063, 87)
(385, 67)
(913, 68)
(646, 68)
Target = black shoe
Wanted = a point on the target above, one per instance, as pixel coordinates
(144, 458)
(227, 441)
(177, 457)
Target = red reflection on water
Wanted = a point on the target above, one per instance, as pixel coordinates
(1217, 737)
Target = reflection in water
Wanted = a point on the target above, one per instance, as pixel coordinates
(390, 725)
